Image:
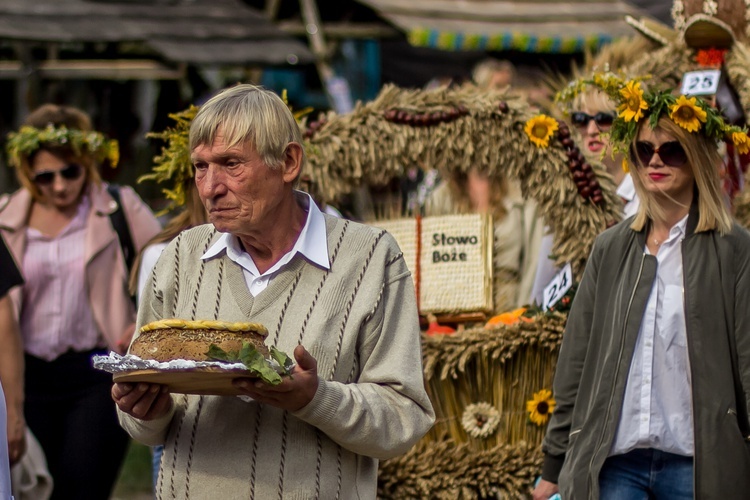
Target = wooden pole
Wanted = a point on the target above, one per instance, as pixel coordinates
(315, 35)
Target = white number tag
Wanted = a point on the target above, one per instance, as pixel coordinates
(704, 82)
(556, 289)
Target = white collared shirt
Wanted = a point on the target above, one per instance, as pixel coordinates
(312, 243)
(657, 408)
(626, 191)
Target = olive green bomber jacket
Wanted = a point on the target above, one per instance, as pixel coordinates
(600, 339)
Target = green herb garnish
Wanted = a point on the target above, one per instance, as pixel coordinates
(254, 361)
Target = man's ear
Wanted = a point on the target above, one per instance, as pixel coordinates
(292, 162)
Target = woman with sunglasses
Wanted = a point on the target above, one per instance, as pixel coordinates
(592, 115)
(75, 301)
(656, 350)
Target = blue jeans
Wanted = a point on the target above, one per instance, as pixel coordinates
(157, 452)
(646, 474)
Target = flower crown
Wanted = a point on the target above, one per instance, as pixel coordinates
(29, 139)
(173, 164)
(633, 104)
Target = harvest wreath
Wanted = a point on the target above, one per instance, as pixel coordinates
(488, 387)
(458, 129)
(486, 384)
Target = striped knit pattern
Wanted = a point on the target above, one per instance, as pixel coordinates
(357, 319)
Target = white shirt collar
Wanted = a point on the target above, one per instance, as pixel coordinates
(678, 229)
(312, 242)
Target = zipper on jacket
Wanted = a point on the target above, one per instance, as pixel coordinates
(617, 371)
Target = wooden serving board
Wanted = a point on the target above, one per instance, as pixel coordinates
(204, 381)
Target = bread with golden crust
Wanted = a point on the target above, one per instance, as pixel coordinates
(169, 339)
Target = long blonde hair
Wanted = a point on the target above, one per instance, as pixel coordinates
(703, 160)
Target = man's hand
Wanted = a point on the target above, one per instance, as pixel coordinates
(544, 490)
(141, 400)
(294, 392)
(16, 435)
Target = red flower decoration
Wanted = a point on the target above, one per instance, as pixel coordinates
(710, 58)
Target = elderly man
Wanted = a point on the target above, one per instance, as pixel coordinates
(335, 293)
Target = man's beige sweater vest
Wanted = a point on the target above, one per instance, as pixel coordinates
(359, 321)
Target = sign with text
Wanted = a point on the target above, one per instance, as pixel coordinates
(452, 265)
(702, 82)
(557, 288)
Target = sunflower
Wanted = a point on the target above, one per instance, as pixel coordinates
(741, 142)
(541, 407)
(633, 103)
(480, 420)
(687, 114)
(540, 129)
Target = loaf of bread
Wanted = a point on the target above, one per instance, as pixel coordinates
(169, 339)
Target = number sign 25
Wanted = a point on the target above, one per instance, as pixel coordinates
(704, 82)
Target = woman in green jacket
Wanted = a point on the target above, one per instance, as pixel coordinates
(656, 352)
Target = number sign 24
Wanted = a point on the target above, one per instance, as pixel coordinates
(557, 288)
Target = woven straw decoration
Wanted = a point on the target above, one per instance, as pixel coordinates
(456, 285)
(364, 147)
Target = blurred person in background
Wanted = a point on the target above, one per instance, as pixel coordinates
(75, 301)
(517, 228)
(593, 113)
(493, 73)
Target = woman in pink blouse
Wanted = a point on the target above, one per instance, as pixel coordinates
(74, 302)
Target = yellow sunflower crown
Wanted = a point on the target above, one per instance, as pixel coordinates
(28, 139)
(634, 103)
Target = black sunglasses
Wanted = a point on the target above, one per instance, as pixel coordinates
(47, 177)
(671, 153)
(602, 120)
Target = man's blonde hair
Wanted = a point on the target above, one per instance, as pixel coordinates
(247, 113)
(703, 160)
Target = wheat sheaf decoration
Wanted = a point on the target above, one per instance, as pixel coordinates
(484, 441)
(458, 129)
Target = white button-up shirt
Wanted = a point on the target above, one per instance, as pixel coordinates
(312, 243)
(657, 409)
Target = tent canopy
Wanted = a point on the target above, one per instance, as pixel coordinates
(218, 32)
(524, 25)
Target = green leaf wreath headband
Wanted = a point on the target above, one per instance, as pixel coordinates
(28, 139)
(633, 104)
